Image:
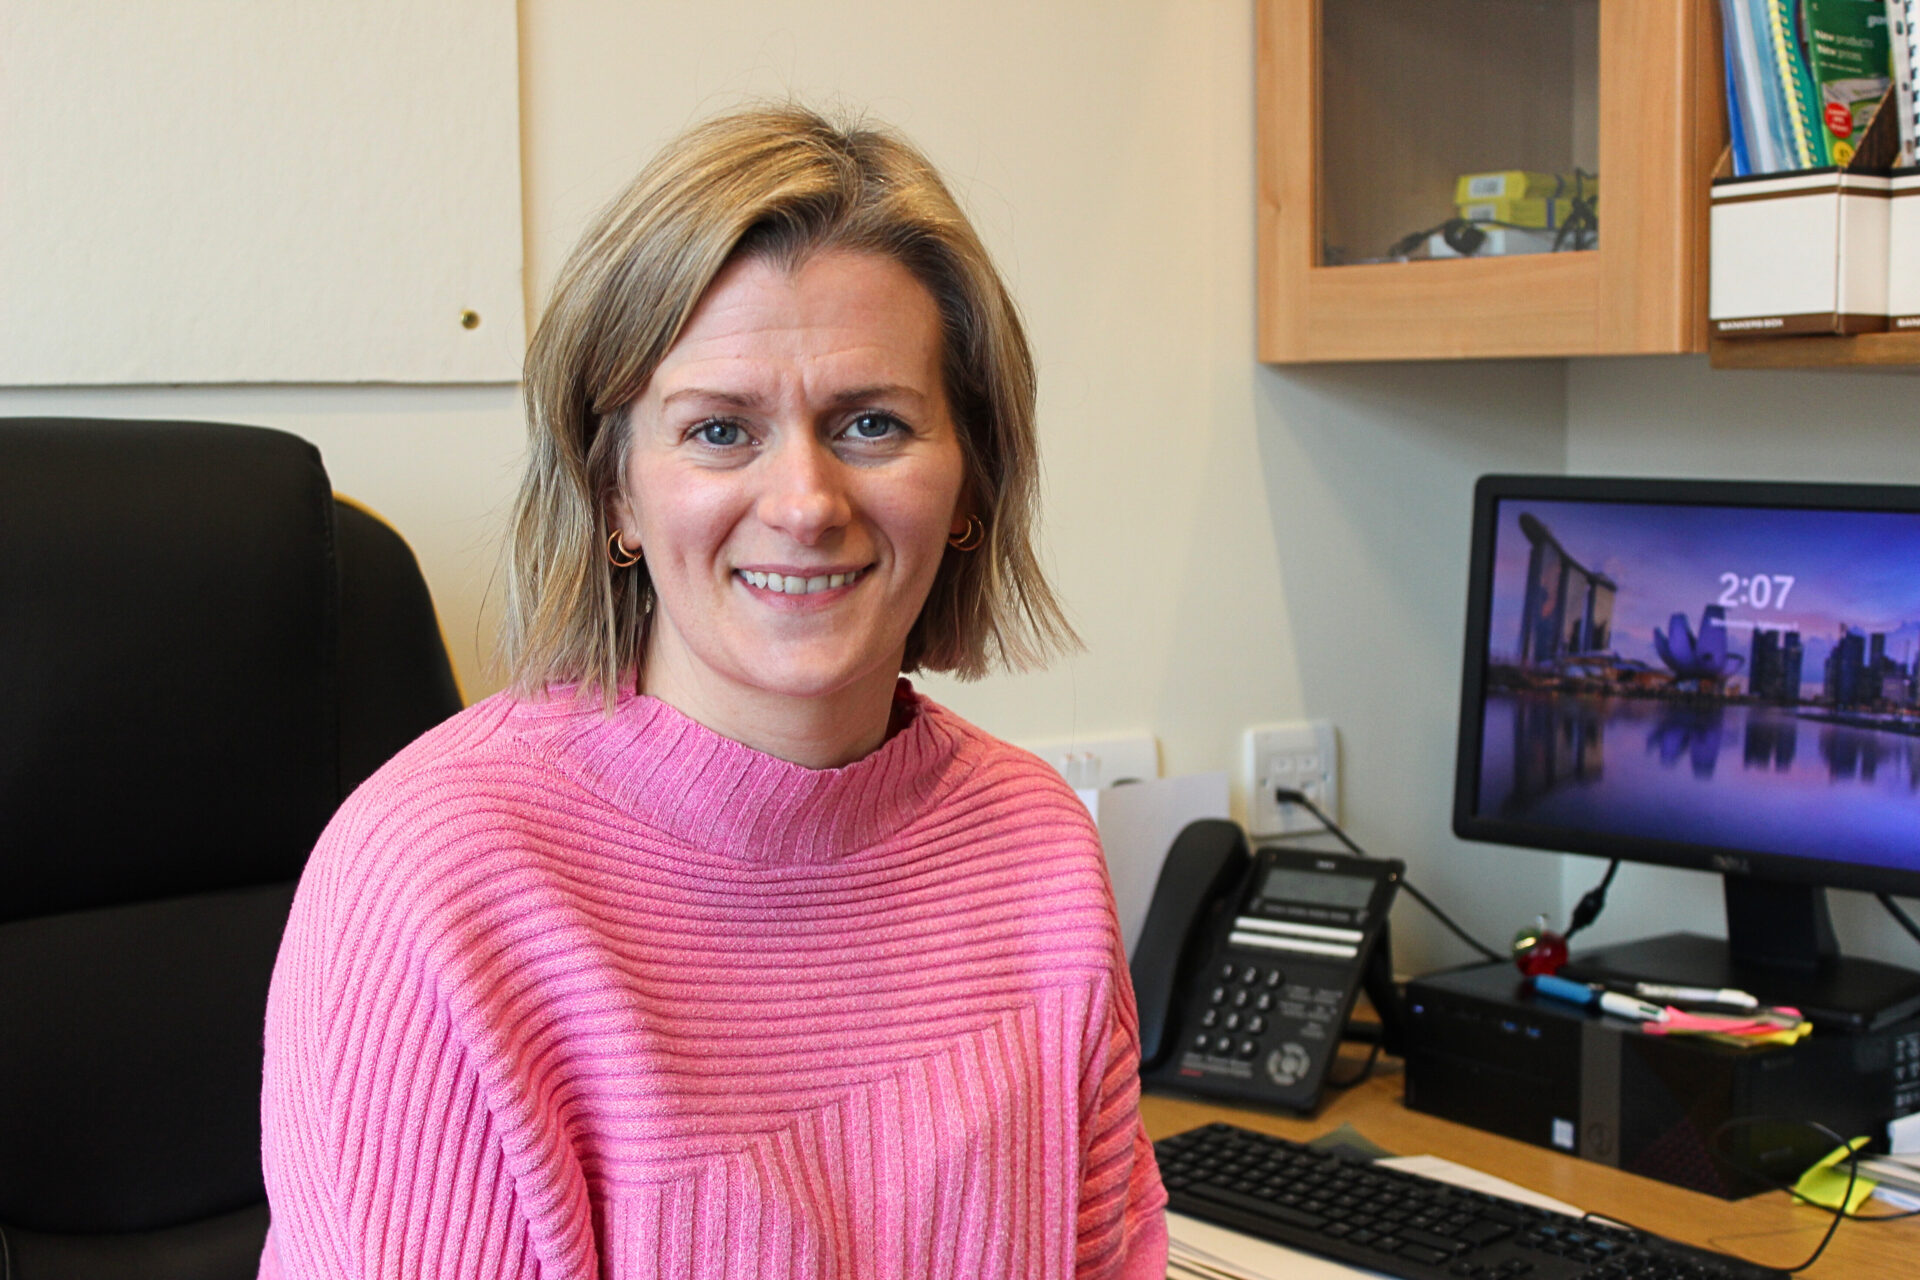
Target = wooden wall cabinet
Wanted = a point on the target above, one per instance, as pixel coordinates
(1368, 109)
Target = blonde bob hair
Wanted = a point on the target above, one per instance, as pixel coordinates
(782, 183)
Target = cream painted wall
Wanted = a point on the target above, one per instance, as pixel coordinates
(1369, 474)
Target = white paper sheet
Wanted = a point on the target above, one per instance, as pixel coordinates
(1210, 1252)
(1903, 1135)
(1137, 824)
(1459, 1175)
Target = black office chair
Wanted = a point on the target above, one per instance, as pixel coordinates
(203, 653)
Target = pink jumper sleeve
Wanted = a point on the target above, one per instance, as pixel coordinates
(381, 1154)
(1123, 1224)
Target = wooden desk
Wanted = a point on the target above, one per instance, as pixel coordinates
(1769, 1229)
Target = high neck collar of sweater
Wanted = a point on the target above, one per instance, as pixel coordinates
(724, 797)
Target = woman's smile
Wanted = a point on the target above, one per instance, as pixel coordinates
(793, 581)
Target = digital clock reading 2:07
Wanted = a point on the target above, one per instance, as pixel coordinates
(1761, 591)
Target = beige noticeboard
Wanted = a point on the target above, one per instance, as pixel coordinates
(301, 191)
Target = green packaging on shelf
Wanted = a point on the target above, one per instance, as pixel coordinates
(1848, 45)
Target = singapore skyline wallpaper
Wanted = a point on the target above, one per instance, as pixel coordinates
(1728, 676)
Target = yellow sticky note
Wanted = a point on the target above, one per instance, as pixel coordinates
(1825, 1183)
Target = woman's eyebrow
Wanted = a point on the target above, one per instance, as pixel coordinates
(732, 399)
(843, 399)
(878, 391)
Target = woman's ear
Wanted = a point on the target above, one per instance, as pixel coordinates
(616, 431)
(964, 509)
(620, 516)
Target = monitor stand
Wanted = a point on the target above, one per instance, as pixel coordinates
(1780, 947)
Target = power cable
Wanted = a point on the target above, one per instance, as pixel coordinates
(1287, 795)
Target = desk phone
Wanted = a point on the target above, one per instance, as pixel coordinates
(1248, 965)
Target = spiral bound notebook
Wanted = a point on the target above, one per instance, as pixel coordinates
(1903, 28)
(1770, 91)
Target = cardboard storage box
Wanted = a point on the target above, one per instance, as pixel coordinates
(1903, 251)
(1799, 253)
(1803, 252)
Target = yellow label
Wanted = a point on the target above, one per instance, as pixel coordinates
(1521, 184)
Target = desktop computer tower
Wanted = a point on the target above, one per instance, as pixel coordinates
(1716, 1118)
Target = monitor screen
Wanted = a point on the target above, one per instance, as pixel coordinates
(1716, 675)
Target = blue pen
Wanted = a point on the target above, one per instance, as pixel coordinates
(1614, 1002)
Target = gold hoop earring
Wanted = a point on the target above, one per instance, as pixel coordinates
(618, 555)
(969, 538)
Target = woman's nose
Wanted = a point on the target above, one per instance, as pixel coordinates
(805, 496)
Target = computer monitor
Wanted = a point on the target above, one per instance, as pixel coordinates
(1716, 675)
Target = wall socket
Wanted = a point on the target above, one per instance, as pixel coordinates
(1301, 754)
(1101, 762)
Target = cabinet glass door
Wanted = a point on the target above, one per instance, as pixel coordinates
(1457, 128)
(1373, 112)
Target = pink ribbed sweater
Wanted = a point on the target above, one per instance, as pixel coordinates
(566, 995)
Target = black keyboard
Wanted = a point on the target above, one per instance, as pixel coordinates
(1406, 1225)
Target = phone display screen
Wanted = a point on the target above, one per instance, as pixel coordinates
(1317, 888)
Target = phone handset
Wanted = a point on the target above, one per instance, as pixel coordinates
(1197, 882)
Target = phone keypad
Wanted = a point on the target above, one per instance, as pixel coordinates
(1238, 1005)
(1240, 985)
(1248, 1004)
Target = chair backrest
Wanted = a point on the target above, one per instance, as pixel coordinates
(205, 654)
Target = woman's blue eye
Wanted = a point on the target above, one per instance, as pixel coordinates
(719, 434)
(874, 426)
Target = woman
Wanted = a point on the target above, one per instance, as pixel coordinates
(712, 949)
